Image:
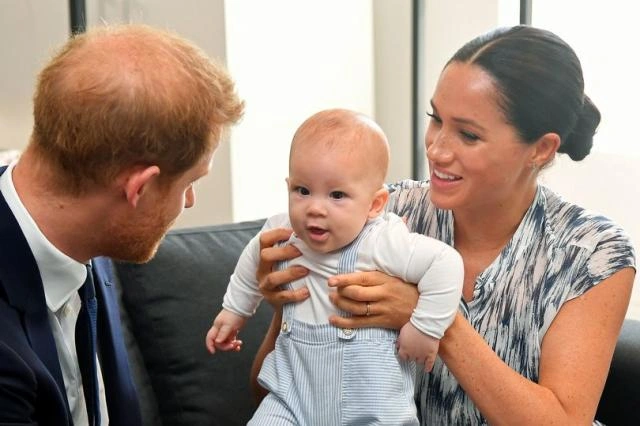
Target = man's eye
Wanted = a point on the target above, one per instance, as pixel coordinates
(302, 190)
(337, 195)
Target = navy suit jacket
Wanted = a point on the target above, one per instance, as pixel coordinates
(31, 385)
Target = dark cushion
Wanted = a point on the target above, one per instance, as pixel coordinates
(171, 302)
(621, 396)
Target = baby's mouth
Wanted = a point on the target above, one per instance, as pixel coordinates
(316, 233)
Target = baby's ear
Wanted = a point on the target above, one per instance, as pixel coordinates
(378, 203)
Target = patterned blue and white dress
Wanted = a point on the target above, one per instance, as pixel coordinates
(558, 252)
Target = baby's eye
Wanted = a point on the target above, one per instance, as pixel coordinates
(301, 190)
(337, 195)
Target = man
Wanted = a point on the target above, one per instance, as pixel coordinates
(126, 119)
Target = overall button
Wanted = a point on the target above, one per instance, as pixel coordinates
(284, 327)
(347, 331)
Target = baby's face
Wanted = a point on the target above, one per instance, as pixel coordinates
(330, 196)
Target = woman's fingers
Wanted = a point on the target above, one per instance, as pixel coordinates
(280, 297)
(270, 254)
(272, 290)
(358, 321)
(272, 236)
(364, 279)
(391, 301)
(270, 281)
(273, 280)
(278, 254)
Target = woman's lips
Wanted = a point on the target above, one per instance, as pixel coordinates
(444, 180)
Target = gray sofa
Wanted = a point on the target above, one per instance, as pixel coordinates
(168, 305)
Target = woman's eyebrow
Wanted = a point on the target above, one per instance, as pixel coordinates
(460, 120)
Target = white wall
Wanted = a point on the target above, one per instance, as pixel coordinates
(29, 30)
(203, 23)
(604, 182)
(392, 40)
(448, 25)
(608, 180)
(290, 59)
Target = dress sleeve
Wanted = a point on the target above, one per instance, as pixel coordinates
(612, 253)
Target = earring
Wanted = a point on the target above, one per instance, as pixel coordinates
(535, 168)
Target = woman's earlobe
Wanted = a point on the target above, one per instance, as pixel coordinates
(546, 147)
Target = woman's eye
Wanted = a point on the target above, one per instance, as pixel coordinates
(302, 190)
(471, 137)
(337, 195)
(434, 117)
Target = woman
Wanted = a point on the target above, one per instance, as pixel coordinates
(546, 284)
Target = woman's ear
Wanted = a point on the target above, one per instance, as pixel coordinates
(136, 182)
(380, 199)
(545, 150)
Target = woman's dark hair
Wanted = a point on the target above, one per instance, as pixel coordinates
(540, 84)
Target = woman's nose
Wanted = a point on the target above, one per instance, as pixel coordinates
(438, 146)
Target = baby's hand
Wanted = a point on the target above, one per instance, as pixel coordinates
(416, 346)
(223, 334)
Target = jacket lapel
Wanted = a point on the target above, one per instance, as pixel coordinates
(119, 388)
(20, 278)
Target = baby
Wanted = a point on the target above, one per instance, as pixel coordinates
(319, 374)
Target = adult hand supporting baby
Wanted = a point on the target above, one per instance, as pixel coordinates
(391, 300)
(271, 280)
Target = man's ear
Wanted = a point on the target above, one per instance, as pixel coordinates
(380, 199)
(545, 150)
(136, 181)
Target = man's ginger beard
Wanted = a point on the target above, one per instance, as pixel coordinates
(137, 240)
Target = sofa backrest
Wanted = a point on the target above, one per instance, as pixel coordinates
(168, 305)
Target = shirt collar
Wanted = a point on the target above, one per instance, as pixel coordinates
(61, 275)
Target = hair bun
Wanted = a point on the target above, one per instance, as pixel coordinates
(578, 143)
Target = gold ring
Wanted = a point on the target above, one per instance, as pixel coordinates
(368, 309)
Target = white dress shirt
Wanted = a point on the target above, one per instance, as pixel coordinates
(61, 276)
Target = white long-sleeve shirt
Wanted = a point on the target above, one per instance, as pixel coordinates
(385, 244)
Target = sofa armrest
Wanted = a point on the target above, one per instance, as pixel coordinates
(621, 396)
(169, 304)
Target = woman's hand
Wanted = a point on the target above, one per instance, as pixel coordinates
(270, 281)
(374, 299)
